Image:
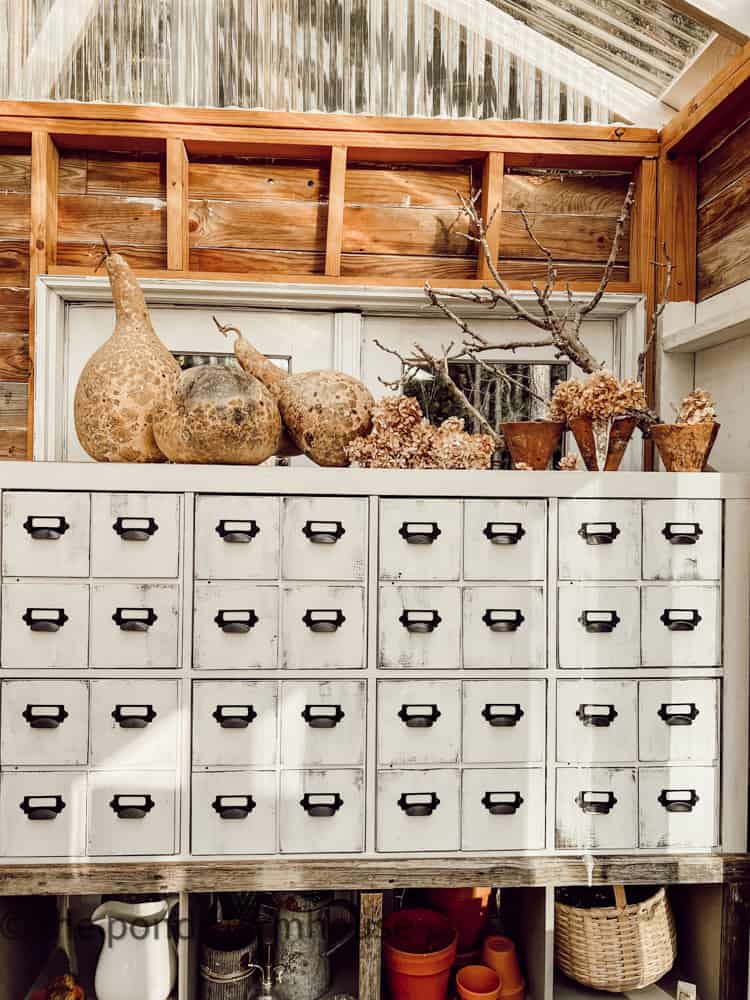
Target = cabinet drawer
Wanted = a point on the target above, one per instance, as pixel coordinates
(419, 722)
(45, 625)
(135, 534)
(134, 625)
(504, 627)
(681, 626)
(235, 723)
(418, 811)
(678, 720)
(599, 539)
(596, 808)
(420, 627)
(598, 626)
(322, 723)
(324, 538)
(323, 627)
(234, 812)
(236, 538)
(597, 721)
(46, 534)
(505, 539)
(131, 812)
(678, 806)
(503, 809)
(44, 722)
(504, 722)
(682, 539)
(133, 724)
(235, 626)
(42, 814)
(420, 539)
(322, 812)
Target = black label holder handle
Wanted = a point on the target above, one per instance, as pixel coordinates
(596, 803)
(234, 716)
(134, 619)
(233, 807)
(502, 715)
(323, 532)
(42, 807)
(678, 800)
(321, 805)
(130, 805)
(135, 529)
(45, 619)
(419, 716)
(597, 716)
(502, 803)
(417, 804)
(45, 716)
(678, 713)
(132, 716)
(44, 527)
(237, 531)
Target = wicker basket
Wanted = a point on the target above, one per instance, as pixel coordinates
(616, 948)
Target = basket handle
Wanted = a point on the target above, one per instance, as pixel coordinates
(620, 898)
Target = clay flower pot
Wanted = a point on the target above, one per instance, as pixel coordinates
(419, 948)
(684, 447)
(532, 442)
(477, 982)
(467, 911)
(602, 443)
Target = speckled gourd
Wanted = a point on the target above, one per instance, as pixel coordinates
(115, 395)
(217, 415)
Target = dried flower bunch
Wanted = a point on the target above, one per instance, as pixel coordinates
(568, 463)
(697, 408)
(601, 396)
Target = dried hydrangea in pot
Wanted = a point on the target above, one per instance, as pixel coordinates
(685, 445)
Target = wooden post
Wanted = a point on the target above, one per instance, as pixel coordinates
(178, 229)
(735, 933)
(678, 224)
(492, 202)
(643, 225)
(370, 933)
(335, 228)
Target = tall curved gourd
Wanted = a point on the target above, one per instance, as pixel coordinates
(121, 381)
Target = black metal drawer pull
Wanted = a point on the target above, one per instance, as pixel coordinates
(324, 619)
(681, 619)
(322, 716)
(419, 716)
(503, 619)
(42, 807)
(44, 528)
(45, 619)
(679, 800)
(598, 532)
(420, 622)
(321, 806)
(45, 716)
(135, 529)
(679, 713)
(599, 622)
(235, 621)
(502, 803)
(418, 803)
(132, 806)
(235, 716)
(682, 532)
(234, 806)
(503, 715)
(598, 716)
(240, 532)
(323, 532)
(598, 803)
(133, 716)
(504, 532)
(420, 532)
(134, 619)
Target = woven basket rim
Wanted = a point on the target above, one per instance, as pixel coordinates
(608, 912)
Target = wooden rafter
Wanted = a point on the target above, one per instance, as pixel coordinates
(705, 17)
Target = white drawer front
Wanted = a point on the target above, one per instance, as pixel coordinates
(42, 814)
(600, 539)
(235, 723)
(596, 808)
(420, 627)
(46, 534)
(234, 812)
(420, 539)
(45, 625)
(678, 806)
(681, 626)
(133, 724)
(505, 539)
(135, 534)
(418, 811)
(322, 812)
(322, 723)
(324, 538)
(504, 722)
(598, 626)
(236, 538)
(323, 627)
(503, 809)
(597, 721)
(44, 722)
(682, 539)
(678, 720)
(235, 626)
(134, 625)
(419, 722)
(504, 627)
(131, 812)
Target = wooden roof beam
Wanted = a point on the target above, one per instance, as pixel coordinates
(733, 30)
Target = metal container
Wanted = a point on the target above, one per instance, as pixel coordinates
(228, 952)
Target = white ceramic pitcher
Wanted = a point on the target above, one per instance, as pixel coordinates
(138, 957)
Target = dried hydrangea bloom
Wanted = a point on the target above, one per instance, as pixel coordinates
(522, 467)
(568, 463)
(602, 396)
(697, 408)
(564, 402)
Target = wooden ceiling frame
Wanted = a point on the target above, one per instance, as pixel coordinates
(703, 17)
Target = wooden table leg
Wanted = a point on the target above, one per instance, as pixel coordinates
(370, 928)
(735, 941)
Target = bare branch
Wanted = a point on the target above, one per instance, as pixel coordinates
(540, 246)
(667, 266)
(622, 221)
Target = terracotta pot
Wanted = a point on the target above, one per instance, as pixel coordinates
(467, 911)
(419, 947)
(532, 442)
(499, 953)
(612, 438)
(477, 982)
(684, 447)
